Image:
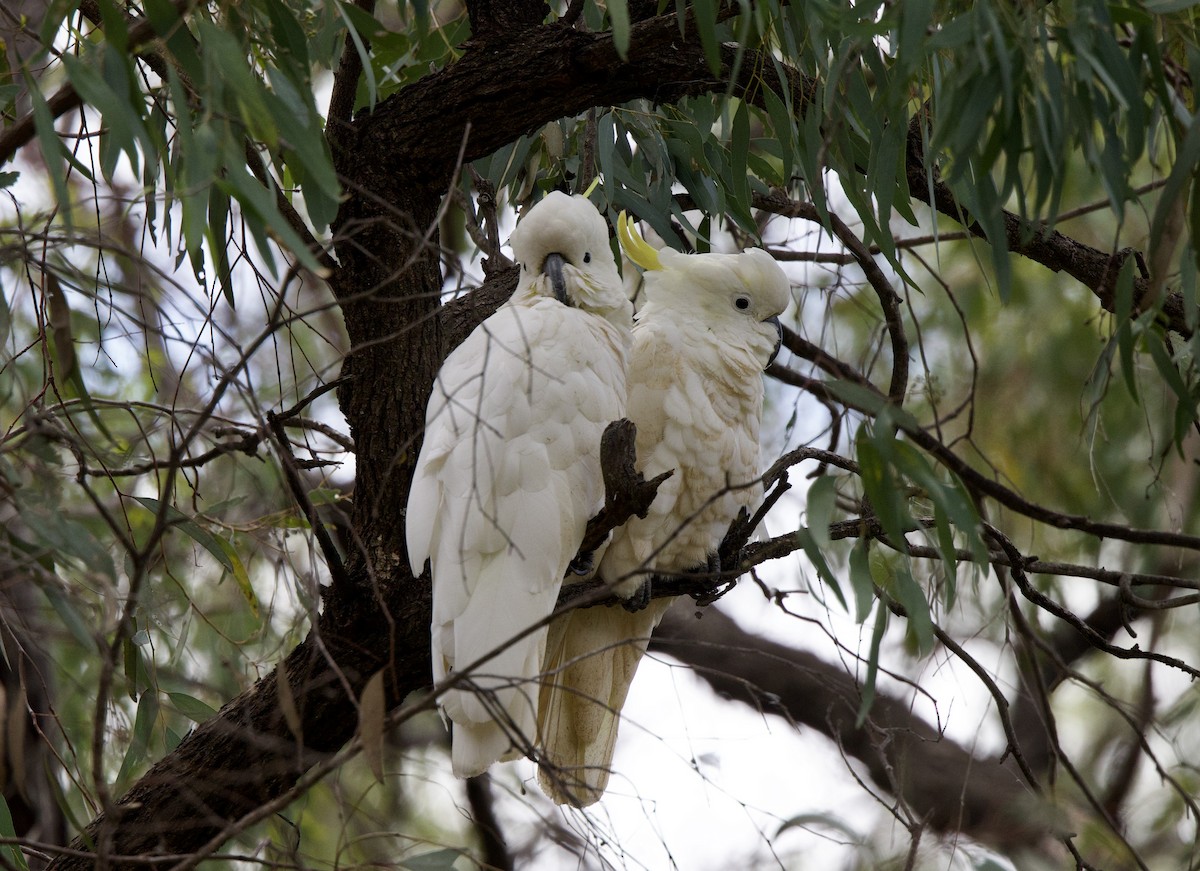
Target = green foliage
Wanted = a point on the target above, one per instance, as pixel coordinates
(159, 292)
(218, 547)
(438, 860)
(13, 857)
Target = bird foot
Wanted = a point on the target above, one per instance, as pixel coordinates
(639, 600)
(714, 586)
(583, 564)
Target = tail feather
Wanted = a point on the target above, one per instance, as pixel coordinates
(591, 657)
(475, 746)
(495, 710)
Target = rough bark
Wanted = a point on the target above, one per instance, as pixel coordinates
(27, 709)
(497, 19)
(938, 779)
(397, 163)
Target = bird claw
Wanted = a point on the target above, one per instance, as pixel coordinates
(713, 586)
(712, 592)
(583, 564)
(639, 600)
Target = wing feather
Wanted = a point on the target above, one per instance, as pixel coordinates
(708, 435)
(506, 482)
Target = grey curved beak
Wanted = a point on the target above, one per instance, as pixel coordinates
(779, 338)
(553, 267)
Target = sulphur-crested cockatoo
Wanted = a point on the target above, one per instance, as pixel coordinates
(706, 331)
(509, 473)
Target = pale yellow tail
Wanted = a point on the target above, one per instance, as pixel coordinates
(591, 657)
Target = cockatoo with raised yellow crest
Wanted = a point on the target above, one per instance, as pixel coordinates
(706, 331)
(509, 472)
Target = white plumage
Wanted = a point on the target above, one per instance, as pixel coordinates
(702, 338)
(509, 472)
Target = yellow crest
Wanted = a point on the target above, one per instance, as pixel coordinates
(636, 248)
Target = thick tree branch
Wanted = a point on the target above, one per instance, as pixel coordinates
(942, 782)
(1095, 269)
(501, 19)
(496, 855)
(626, 491)
(28, 703)
(458, 317)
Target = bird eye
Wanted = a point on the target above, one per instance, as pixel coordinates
(587, 256)
(742, 303)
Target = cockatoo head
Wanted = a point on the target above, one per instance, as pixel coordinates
(735, 297)
(561, 245)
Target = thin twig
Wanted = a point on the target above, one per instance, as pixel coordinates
(290, 472)
(889, 300)
(1017, 572)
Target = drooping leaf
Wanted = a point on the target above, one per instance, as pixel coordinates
(222, 550)
(822, 497)
(372, 714)
(191, 707)
(54, 153)
(618, 12)
(882, 487)
(438, 860)
(171, 27)
(861, 581)
(73, 620)
(817, 556)
(14, 857)
(916, 607)
(240, 576)
(868, 685)
(824, 821)
(287, 702)
(143, 733)
(706, 25)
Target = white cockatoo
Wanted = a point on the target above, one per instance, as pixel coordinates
(509, 473)
(707, 329)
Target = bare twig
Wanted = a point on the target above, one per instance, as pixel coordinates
(1017, 572)
(332, 557)
(975, 479)
(889, 300)
(345, 82)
